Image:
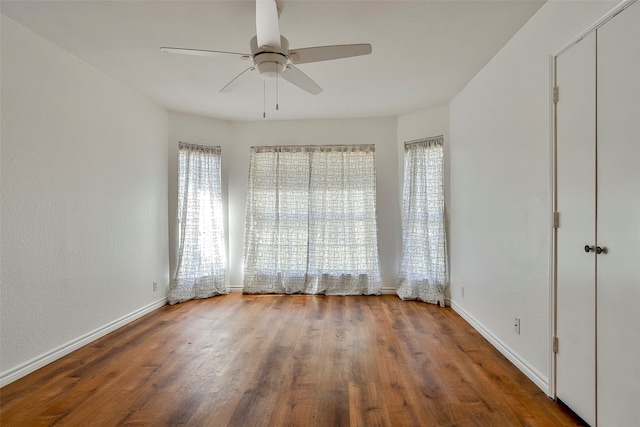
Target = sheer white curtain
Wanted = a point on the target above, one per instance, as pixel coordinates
(311, 221)
(423, 270)
(201, 268)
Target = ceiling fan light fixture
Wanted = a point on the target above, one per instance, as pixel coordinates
(270, 65)
(270, 70)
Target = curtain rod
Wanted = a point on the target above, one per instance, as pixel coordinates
(425, 139)
(313, 146)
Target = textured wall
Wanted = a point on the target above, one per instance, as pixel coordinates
(84, 198)
(501, 184)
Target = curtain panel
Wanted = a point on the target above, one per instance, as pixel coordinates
(311, 221)
(201, 271)
(423, 269)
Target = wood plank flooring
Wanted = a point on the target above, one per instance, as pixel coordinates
(246, 360)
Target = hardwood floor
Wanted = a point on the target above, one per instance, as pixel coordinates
(246, 360)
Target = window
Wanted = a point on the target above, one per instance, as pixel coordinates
(201, 268)
(423, 268)
(311, 221)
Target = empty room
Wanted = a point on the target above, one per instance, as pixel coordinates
(320, 213)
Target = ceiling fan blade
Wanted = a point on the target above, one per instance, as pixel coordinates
(200, 52)
(296, 77)
(237, 80)
(267, 25)
(326, 53)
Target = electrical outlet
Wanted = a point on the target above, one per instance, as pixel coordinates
(516, 325)
(463, 292)
(155, 286)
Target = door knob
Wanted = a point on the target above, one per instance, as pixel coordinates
(600, 250)
(588, 248)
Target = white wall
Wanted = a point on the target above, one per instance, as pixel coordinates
(84, 202)
(236, 138)
(501, 188)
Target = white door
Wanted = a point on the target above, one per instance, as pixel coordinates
(575, 189)
(618, 271)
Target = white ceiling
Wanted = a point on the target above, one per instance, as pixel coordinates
(424, 52)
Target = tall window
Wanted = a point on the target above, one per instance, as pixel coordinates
(311, 221)
(201, 251)
(423, 270)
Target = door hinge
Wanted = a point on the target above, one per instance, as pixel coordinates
(556, 220)
(555, 344)
(556, 95)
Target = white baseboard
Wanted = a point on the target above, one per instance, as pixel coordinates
(533, 374)
(44, 359)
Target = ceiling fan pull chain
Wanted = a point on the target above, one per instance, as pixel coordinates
(264, 99)
(277, 91)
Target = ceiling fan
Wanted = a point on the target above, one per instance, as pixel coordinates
(271, 55)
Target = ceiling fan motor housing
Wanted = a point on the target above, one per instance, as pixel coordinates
(269, 61)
